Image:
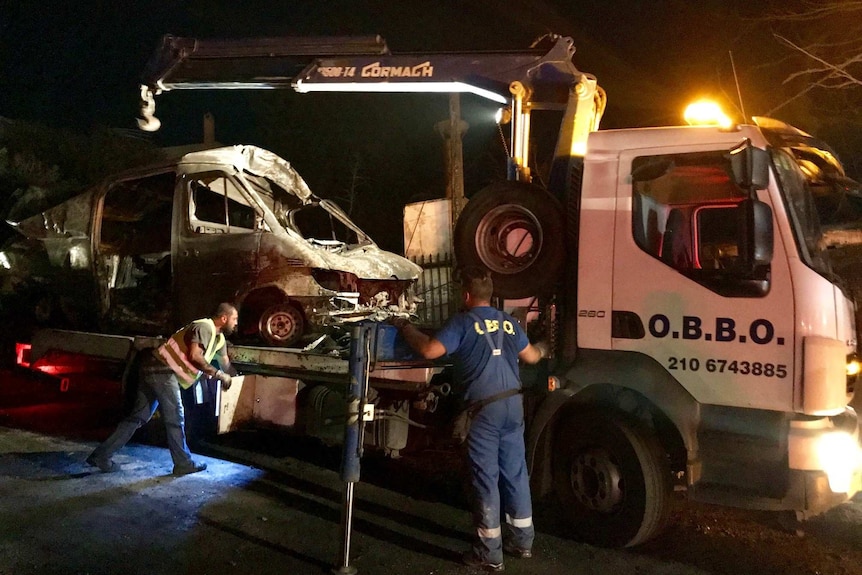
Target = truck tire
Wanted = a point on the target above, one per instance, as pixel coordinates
(281, 325)
(515, 230)
(612, 478)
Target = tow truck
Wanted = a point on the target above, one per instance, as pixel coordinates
(701, 336)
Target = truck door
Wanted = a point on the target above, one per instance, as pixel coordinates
(680, 292)
(218, 231)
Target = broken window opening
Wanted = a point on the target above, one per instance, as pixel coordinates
(134, 250)
(320, 222)
(218, 206)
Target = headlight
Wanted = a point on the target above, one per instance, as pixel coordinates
(854, 366)
(839, 457)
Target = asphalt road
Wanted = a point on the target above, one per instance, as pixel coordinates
(277, 515)
(271, 504)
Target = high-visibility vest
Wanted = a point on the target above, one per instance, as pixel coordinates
(175, 353)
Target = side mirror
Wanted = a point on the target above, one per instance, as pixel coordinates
(750, 166)
(757, 233)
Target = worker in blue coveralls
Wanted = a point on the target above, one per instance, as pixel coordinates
(486, 344)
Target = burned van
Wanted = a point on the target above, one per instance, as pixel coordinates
(151, 249)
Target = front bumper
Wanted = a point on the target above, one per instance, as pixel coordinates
(826, 454)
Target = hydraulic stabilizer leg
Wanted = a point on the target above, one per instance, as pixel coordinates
(362, 337)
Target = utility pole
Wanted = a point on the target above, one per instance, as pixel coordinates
(452, 131)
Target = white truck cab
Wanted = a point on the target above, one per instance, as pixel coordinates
(704, 331)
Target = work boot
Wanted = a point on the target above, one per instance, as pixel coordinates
(471, 560)
(193, 468)
(510, 549)
(104, 465)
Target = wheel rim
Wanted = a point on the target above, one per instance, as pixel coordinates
(508, 239)
(596, 480)
(280, 325)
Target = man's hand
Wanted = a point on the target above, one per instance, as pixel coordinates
(225, 379)
(534, 352)
(542, 346)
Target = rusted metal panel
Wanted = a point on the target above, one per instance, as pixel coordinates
(71, 219)
(275, 400)
(252, 159)
(288, 361)
(65, 231)
(328, 367)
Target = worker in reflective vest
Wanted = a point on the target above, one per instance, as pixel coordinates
(180, 361)
(203, 338)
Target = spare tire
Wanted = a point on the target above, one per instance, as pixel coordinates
(515, 230)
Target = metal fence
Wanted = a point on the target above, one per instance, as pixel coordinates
(435, 288)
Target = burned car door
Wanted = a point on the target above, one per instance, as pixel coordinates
(132, 253)
(218, 230)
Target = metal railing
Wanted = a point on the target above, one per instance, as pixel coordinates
(435, 288)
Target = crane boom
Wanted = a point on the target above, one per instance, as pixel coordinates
(542, 77)
(346, 64)
(191, 63)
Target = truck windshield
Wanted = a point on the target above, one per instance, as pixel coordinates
(802, 210)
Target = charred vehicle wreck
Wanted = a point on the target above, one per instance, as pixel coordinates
(148, 250)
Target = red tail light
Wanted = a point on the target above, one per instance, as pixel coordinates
(22, 354)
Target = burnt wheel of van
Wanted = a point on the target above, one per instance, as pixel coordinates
(515, 230)
(281, 325)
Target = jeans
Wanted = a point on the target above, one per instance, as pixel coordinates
(156, 387)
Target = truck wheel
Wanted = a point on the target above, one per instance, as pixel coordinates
(516, 231)
(612, 478)
(281, 325)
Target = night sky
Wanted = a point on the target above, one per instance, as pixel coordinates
(76, 65)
